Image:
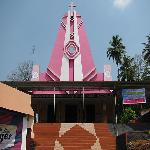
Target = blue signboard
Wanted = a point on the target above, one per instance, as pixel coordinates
(133, 96)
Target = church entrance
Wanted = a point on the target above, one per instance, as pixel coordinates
(72, 109)
(71, 113)
(50, 114)
(90, 113)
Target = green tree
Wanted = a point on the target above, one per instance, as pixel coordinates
(142, 68)
(127, 69)
(23, 72)
(146, 73)
(146, 50)
(139, 66)
(116, 51)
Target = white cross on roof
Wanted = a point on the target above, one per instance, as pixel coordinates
(72, 6)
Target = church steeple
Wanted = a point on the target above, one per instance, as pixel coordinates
(72, 6)
(71, 58)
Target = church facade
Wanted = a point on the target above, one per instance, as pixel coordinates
(74, 108)
(72, 117)
(71, 60)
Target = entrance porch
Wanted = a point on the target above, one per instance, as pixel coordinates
(94, 108)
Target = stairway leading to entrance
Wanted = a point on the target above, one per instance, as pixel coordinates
(73, 136)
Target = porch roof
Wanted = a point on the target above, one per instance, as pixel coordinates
(75, 85)
(116, 86)
(15, 100)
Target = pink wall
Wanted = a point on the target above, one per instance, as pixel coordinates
(57, 53)
(71, 70)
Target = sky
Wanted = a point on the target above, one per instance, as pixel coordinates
(24, 23)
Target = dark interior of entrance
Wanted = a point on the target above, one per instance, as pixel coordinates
(98, 109)
(50, 114)
(70, 113)
(90, 113)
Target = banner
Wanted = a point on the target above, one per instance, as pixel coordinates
(11, 124)
(133, 96)
(7, 135)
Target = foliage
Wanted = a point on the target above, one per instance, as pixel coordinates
(130, 69)
(142, 68)
(139, 66)
(23, 72)
(146, 50)
(127, 69)
(116, 51)
(146, 73)
(127, 115)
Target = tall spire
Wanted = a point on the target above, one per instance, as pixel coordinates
(72, 5)
(71, 58)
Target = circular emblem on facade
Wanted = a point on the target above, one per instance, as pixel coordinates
(71, 50)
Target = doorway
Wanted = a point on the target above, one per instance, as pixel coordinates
(90, 113)
(51, 114)
(71, 113)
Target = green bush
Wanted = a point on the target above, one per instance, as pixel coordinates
(127, 115)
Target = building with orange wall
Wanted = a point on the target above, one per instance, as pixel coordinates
(16, 116)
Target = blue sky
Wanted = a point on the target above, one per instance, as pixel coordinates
(24, 23)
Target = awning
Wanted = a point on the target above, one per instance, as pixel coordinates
(12, 99)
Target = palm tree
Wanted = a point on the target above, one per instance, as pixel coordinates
(146, 50)
(116, 51)
(127, 69)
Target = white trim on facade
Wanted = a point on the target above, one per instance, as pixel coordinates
(76, 35)
(67, 35)
(64, 69)
(78, 74)
(50, 76)
(92, 76)
(53, 72)
(89, 73)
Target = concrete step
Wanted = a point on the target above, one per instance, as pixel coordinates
(76, 138)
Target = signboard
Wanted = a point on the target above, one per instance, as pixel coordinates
(7, 135)
(133, 96)
(11, 128)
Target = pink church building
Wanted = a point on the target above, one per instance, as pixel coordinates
(71, 110)
(71, 60)
(75, 118)
(73, 107)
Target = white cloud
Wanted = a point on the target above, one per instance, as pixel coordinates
(122, 4)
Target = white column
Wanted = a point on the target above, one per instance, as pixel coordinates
(24, 133)
(54, 100)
